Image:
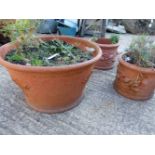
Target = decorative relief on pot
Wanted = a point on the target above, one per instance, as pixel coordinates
(24, 86)
(108, 56)
(135, 84)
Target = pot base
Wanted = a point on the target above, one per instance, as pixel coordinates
(129, 96)
(76, 103)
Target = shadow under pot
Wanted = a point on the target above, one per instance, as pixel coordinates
(134, 82)
(109, 52)
(52, 88)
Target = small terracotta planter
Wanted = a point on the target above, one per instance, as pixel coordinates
(53, 89)
(109, 52)
(134, 82)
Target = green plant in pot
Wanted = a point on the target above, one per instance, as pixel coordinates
(135, 77)
(51, 70)
(109, 48)
(3, 23)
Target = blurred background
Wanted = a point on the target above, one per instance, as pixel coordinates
(88, 27)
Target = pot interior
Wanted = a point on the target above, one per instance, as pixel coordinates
(104, 41)
(82, 44)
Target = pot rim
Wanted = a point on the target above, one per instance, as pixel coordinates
(108, 45)
(52, 68)
(134, 67)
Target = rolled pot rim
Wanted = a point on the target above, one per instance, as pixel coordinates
(108, 45)
(51, 68)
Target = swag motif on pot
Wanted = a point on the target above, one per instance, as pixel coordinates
(135, 84)
(109, 58)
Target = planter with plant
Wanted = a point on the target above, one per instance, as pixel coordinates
(51, 70)
(136, 70)
(109, 48)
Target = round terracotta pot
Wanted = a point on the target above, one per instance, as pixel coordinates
(134, 82)
(57, 88)
(109, 52)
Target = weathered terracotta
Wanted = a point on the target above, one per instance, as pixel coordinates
(109, 52)
(134, 82)
(53, 89)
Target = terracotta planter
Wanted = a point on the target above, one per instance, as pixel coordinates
(53, 89)
(134, 82)
(109, 52)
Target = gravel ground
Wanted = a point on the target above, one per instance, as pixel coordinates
(102, 111)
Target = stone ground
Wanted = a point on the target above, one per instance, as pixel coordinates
(102, 111)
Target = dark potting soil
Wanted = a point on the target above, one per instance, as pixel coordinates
(51, 53)
(129, 58)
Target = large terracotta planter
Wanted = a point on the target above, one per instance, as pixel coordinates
(109, 52)
(134, 82)
(53, 89)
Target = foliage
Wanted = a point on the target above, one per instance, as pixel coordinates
(15, 58)
(4, 22)
(114, 39)
(22, 30)
(63, 53)
(141, 52)
(33, 51)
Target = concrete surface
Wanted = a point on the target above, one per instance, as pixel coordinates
(102, 111)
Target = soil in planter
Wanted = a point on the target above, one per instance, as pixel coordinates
(136, 59)
(50, 53)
